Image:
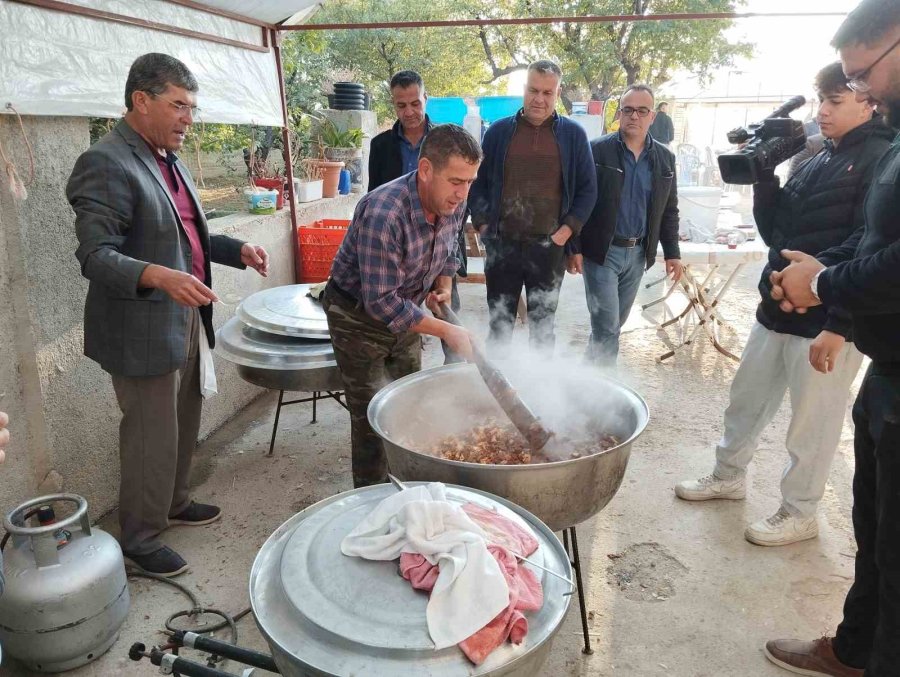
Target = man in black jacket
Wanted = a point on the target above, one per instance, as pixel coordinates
(809, 355)
(863, 276)
(636, 209)
(662, 129)
(395, 153)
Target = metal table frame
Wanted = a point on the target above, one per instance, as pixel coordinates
(705, 293)
(704, 300)
(316, 396)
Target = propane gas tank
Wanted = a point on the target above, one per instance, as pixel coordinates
(66, 592)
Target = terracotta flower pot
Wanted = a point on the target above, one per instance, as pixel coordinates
(331, 176)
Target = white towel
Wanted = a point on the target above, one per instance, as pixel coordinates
(208, 385)
(470, 589)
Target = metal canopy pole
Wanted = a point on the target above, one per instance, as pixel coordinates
(288, 157)
(610, 18)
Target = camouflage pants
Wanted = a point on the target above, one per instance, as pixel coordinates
(369, 357)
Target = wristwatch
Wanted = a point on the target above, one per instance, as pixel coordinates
(814, 284)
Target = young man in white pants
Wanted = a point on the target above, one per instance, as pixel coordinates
(810, 355)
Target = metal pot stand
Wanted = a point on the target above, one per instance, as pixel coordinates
(279, 340)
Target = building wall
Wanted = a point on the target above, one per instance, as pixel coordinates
(64, 418)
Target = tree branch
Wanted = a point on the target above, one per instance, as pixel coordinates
(497, 71)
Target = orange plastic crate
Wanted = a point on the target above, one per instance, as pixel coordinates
(319, 241)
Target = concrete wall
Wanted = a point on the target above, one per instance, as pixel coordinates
(64, 418)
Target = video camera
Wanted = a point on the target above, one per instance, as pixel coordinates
(769, 143)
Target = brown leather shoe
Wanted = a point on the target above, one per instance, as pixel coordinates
(814, 658)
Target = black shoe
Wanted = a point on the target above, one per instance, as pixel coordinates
(164, 562)
(196, 514)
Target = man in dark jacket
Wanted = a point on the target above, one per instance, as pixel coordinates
(636, 209)
(395, 153)
(662, 129)
(809, 355)
(863, 276)
(535, 189)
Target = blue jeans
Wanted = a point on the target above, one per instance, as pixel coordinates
(610, 289)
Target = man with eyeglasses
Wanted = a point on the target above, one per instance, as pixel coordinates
(636, 209)
(145, 247)
(863, 276)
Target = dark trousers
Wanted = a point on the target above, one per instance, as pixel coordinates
(869, 635)
(157, 438)
(369, 357)
(539, 265)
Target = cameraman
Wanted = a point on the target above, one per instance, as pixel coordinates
(810, 355)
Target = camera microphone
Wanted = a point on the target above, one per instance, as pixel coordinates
(788, 106)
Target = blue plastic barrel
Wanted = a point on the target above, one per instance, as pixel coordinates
(495, 107)
(442, 109)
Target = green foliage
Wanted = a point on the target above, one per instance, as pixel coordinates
(451, 61)
(307, 63)
(598, 60)
(332, 136)
(99, 127)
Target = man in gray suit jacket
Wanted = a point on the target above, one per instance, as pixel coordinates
(146, 249)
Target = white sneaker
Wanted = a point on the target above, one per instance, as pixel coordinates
(710, 487)
(782, 528)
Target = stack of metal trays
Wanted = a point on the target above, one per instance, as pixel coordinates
(278, 338)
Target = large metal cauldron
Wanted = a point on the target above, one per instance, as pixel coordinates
(413, 413)
(324, 614)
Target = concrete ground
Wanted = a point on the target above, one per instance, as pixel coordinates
(672, 587)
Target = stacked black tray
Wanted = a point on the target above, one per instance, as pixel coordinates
(348, 96)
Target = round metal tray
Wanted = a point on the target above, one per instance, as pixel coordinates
(324, 613)
(286, 311)
(248, 347)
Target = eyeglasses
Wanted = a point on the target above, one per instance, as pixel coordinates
(180, 107)
(858, 82)
(642, 112)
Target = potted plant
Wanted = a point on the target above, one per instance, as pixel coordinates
(342, 145)
(308, 172)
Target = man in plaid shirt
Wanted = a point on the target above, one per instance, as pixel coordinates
(399, 251)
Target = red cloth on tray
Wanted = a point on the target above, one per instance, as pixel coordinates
(507, 539)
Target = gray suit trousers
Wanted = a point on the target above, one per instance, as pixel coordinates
(157, 437)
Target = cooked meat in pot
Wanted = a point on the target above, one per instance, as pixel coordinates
(496, 444)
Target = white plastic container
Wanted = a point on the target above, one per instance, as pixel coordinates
(307, 191)
(698, 208)
(261, 201)
(472, 121)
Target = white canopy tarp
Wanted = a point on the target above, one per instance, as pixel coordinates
(56, 63)
(270, 11)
